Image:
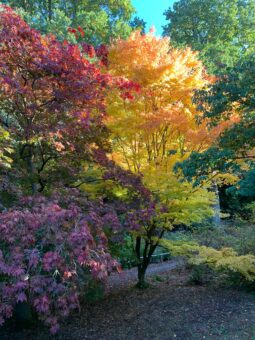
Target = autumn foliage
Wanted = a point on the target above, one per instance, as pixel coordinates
(52, 100)
(52, 105)
(162, 115)
(50, 248)
(90, 137)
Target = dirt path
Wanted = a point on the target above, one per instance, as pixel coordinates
(129, 277)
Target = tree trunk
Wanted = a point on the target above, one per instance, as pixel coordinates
(144, 260)
(141, 276)
(50, 9)
(28, 157)
(31, 170)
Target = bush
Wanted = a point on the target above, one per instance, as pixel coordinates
(200, 274)
(238, 235)
(49, 252)
(124, 252)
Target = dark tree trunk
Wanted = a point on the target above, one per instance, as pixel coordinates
(50, 9)
(141, 277)
(31, 170)
(144, 259)
(26, 154)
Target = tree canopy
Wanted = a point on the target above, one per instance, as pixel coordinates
(231, 97)
(100, 20)
(221, 30)
(108, 148)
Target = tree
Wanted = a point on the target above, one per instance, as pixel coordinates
(155, 127)
(51, 103)
(100, 20)
(222, 31)
(231, 97)
(138, 24)
(51, 248)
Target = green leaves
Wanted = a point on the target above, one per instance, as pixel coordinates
(100, 20)
(199, 166)
(5, 149)
(221, 30)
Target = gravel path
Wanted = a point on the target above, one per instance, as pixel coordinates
(129, 276)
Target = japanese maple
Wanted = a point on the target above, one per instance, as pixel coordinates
(156, 127)
(51, 102)
(50, 247)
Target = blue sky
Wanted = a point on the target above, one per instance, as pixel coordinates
(152, 12)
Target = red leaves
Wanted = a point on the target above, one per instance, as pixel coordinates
(44, 83)
(46, 270)
(81, 31)
(128, 88)
(89, 50)
(75, 32)
(71, 30)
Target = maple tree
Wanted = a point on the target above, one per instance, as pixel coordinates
(51, 101)
(50, 248)
(156, 126)
(161, 115)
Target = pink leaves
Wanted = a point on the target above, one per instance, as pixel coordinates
(5, 312)
(45, 82)
(65, 242)
(54, 328)
(42, 304)
(59, 146)
(33, 258)
(98, 270)
(51, 261)
(21, 297)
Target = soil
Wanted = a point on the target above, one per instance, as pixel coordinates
(170, 308)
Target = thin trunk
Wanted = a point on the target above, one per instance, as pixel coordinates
(216, 207)
(31, 169)
(50, 9)
(143, 263)
(141, 277)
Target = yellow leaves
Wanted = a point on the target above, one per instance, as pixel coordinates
(223, 259)
(158, 127)
(227, 258)
(185, 204)
(226, 179)
(180, 248)
(163, 110)
(149, 60)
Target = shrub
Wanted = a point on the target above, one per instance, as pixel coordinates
(224, 260)
(200, 274)
(49, 252)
